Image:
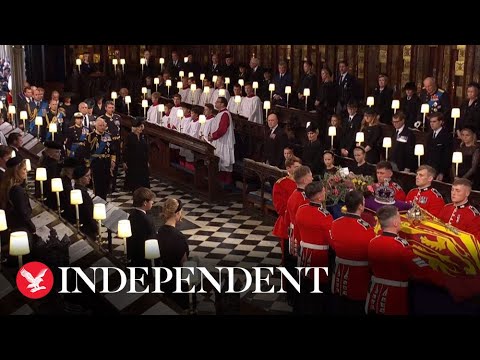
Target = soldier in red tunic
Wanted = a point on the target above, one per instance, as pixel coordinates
(424, 195)
(283, 188)
(350, 236)
(303, 177)
(385, 171)
(313, 224)
(459, 212)
(392, 263)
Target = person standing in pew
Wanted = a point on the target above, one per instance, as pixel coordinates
(351, 125)
(66, 174)
(313, 151)
(49, 160)
(82, 176)
(136, 157)
(275, 141)
(373, 136)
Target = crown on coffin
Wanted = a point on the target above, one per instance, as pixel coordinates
(385, 194)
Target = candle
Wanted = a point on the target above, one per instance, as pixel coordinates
(190, 74)
(193, 87)
(181, 73)
(266, 107)
(419, 151)
(214, 79)
(221, 92)
(28, 165)
(288, 91)
(425, 109)
(370, 101)
(156, 81)
(387, 143)
(241, 82)
(359, 138)
(142, 61)
(332, 132)
(114, 95)
(78, 62)
(185, 59)
(202, 77)
(455, 116)
(395, 105)
(457, 158)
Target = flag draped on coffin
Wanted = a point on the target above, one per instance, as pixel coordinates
(449, 250)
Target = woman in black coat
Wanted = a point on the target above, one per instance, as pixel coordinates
(136, 157)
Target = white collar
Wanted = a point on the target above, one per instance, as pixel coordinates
(141, 210)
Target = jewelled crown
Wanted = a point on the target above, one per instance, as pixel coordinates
(384, 194)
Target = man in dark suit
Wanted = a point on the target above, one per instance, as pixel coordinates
(351, 125)
(214, 68)
(410, 104)
(439, 149)
(346, 85)
(403, 144)
(256, 71)
(174, 66)
(230, 71)
(142, 226)
(275, 141)
(281, 79)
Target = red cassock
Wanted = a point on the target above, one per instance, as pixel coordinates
(313, 224)
(294, 201)
(350, 238)
(427, 198)
(464, 217)
(392, 263)
(283, 188)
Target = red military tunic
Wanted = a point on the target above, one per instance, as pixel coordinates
(283, 188)
(427, 198)
(464, 217)
(399, 193)
(392, 263)
(294, 201)
(313, 224)
(350, 238)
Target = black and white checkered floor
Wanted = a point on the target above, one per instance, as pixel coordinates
(218, 235)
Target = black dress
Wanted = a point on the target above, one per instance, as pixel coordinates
(173, 246)
(19, 211)
(373, 138)
(136, 158)
(142, 229)
(468, 168)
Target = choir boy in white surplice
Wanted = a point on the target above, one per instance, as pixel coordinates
(220, 90)
(208, 112)
(166, 116)
(252, 107)
(192, 97)
(205, 97)
(192, 129)
(223, 138)
(233, 107)
(184, 91)
(174, 121)
(153, 116)
(184, 125)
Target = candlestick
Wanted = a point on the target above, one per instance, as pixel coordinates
(395, 105)
(370, 101)
(387, 143)
(78, 62)
(455, 116)
(332, 132)
(122, 62)
(288, 91)
(419, 151)
(425, 109)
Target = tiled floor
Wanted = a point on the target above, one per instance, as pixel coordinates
(218, 235)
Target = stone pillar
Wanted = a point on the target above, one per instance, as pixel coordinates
(17, 59)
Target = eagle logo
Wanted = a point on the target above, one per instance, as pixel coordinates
(35, 280)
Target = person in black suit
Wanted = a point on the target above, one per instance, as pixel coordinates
(49, 160)
(5, 155)
(403, 145)
(150, 67)
(256, 71)
(174, 66)
(275, 141)
(383, 96)
(82, 176)
(66, 174)
(439, 148)
(327, 94)
(281, 79)
(470, 110)
(351, 125)
(373, 135)
(308, 81)
(230, 71)
(142, 226)
(214, 68)
(346, 87)
(410, 104)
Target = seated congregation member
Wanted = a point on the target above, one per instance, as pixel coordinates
(14, 198)
(393, 263)
(313, 223)
(313, 150)
(384, 174)
(49, 160)
(460, 213)
(302, 176)
(403, 142)
(173, 247)
(351, 277)
(282, 189)
(351, 125)
(329, 162)
(142, 226)
(373, 136)
(468, 168)
(362, 167)
(438, 149)
(275, 142)
(15, 141)
(136, 157)
(426, 196)
(82, 176)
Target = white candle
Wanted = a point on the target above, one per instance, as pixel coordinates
(370, 101)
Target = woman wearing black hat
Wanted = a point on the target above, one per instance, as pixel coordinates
(136, 157)
(410, 104)
(14, 198)
(471, 156)
(83, 176)
(173, 245)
